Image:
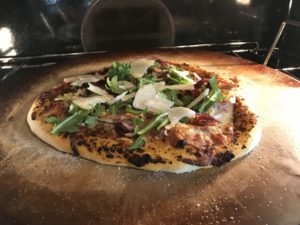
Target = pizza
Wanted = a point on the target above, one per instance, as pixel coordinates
(147, 113)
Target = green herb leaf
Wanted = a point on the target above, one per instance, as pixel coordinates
(137, 144)
(73, 108)
(120, 70)
(151, 125)
(187, 99)
(70, 124)
(137, 122)
(214, 96)
(163, 124)
(114, 108)
(52, 119)
(91, 121)
(98, 110)
(129, 109)
(174, 77)
(172, 96)
(148, 79)
(112, 84)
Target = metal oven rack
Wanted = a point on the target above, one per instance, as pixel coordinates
(248, 50)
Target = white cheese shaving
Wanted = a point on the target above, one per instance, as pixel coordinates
(140, 66)
(124, 84)
(100, 91)
(127, 97)
(199, 98)
(177, 113)
(89, 102)
(117, 98)
(158, 104)
(184, 74)
(223, 112)
(147, 97)
(82, 79)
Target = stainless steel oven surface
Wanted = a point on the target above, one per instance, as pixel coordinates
(251, 39)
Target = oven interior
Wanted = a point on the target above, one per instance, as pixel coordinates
(38, 34)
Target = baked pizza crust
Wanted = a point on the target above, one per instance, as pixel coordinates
(246, 142)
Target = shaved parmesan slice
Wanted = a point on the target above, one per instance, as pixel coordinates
(182, 87)
(177, 113)
(82, 79)
(184, 74)
(140, 66)
(99, 91)
(199, 98)
(159, 104)
(159, 85)
(117, 98)
(89, 102)
(147, 97)
(127, 97)
(124, 84)
(223, 112)
(196, 76)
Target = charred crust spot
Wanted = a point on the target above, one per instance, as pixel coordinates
(33, 116)
(179, 158)
(80, 142)
(139, 160)
(73, 145)
(109, 155)
(180, 144)
(222, 158)
(158, 159)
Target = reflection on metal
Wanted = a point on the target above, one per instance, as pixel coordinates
(278, 35)
(290, 8)
(11, 72)
(244, 2)
(291, 68)
(237, 43)
(49, 28)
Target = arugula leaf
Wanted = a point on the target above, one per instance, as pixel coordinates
(129, 109)
(98, 110)
(52, 119)
(214, 96)
(120, 70)
(176, 80)
(73, 108)
(154, 123)
(137, 144)
(187, 99)
(91, 121)
(172, 96)
(174, 77)
(185, 120)
(112, 84)
(163, 124)
(137, 122)
(114, 108)
(147, 79)
(71, 123)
